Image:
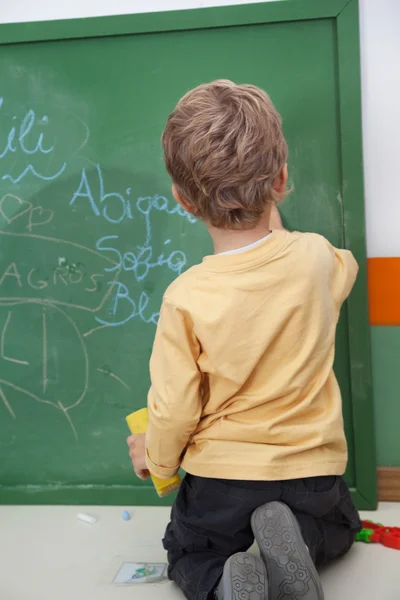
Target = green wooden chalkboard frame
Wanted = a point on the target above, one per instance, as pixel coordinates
(344, 13)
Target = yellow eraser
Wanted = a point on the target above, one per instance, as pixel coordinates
(137, 423)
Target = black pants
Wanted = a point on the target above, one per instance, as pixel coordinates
(210, 521)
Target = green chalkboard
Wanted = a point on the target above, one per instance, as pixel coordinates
(90, 236)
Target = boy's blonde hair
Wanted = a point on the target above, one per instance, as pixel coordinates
(224, 148)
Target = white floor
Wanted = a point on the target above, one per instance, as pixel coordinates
(47, 554)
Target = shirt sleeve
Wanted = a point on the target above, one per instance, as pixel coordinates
(174, 400)
(345, 272)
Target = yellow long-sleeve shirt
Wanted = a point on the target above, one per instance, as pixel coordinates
(242, 365)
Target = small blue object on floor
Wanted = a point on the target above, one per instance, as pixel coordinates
(126, 516)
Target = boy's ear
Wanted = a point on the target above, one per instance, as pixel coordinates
(280, 182)
(188, 206)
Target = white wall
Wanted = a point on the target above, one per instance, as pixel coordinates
(380, 59)
(38, 10)
(380, 71)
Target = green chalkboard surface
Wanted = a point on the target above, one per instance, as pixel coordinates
(90, 236)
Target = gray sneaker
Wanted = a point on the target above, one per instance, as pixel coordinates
(244, 578)
(291, 572)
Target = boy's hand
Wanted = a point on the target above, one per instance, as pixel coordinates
(137, 452)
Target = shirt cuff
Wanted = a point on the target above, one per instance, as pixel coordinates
(159, 471)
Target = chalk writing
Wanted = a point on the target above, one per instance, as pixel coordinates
(31, 169)
(121, 205)
(17, 137)
(28, 152)
(115, 207)
(136, 309)
(96, 284)
(36, 279)
(148, 204)
(25, 137)
(11, 271)
(142, 262)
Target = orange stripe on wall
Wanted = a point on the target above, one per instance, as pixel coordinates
(384, 291)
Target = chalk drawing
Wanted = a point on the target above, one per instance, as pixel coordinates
(114, 376)
(113, 303)
(3, 344)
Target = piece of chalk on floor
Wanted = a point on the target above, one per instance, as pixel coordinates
(126, 516)
(86, 518)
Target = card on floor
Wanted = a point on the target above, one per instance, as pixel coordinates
(133, 573)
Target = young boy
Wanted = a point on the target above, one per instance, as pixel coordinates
(243, 393)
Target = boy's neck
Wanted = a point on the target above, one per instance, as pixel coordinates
(226, 240)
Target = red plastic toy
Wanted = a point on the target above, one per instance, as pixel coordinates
(376, 533)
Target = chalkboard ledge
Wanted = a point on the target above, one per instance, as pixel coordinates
(101, 495)
(83, 495)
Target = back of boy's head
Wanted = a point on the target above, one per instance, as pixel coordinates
(224, 149)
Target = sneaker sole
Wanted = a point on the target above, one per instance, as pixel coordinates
(245, 578)
(291, 572)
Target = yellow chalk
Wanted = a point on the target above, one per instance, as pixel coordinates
(137, 423)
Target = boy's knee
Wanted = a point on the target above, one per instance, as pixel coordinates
(338, 540)
(348, 543)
